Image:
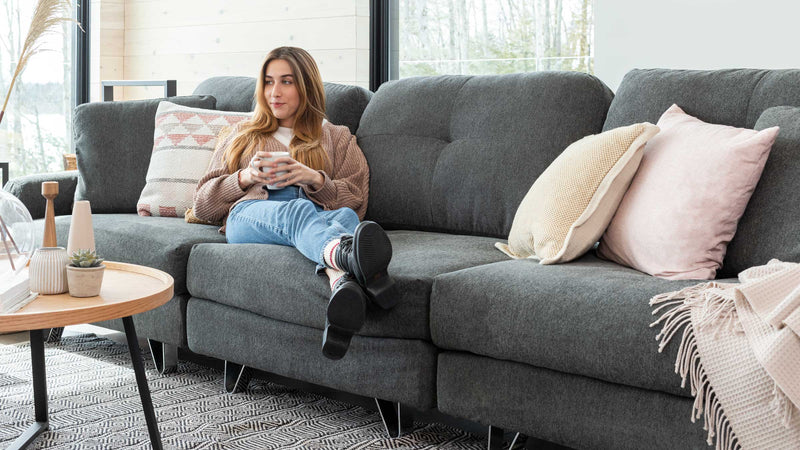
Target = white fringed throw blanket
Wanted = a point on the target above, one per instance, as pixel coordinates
(740, 350)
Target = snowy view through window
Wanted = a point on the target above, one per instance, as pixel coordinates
(36, 129)
(495, 36)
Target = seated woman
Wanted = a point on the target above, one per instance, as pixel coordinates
(314, 202)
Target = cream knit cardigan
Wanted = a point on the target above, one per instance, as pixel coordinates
(740, 349)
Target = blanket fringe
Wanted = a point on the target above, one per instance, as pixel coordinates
(782, 405)
(720, 312)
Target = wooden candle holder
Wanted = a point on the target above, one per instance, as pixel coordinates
(50, 192)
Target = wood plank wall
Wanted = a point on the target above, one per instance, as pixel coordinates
(191, 40)
(107, 39)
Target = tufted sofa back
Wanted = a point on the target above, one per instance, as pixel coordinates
(458, 153)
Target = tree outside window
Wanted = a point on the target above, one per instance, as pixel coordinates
(37, 127)
(495, 36)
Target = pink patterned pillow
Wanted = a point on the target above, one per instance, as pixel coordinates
(183, 142)
(685, 201)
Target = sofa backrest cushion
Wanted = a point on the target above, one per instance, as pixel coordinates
(769, 227)
(735, 97)
(113, 142)
(344, 103)
(458, 153)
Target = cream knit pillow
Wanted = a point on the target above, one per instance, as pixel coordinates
(183, 142)
(571, 203)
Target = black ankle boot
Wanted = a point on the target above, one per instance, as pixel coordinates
(345, 316)
(365, 256)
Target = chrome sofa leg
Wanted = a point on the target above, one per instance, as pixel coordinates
(165, 356)
(521, 442)
(237, 377)
(54, 335)
(495, 438)
(396, 419)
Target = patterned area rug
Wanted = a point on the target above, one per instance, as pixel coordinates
(94, 403)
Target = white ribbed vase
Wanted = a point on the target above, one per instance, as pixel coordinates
(48, 271)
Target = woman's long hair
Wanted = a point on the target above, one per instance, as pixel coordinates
(305, 146)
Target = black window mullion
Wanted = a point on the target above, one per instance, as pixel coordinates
(383, 36)
(80, 67)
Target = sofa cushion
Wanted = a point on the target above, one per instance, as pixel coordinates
(287, 289)
(113, 143)
(769, 227)
(734, 97)
(458, 153)
(28, 189)
(232, 93)
(344, 103)
(589, 317)
(159, 242)
(713, 96)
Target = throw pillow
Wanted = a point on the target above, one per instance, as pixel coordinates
(113, 142)
(183, 142)
(683, 205)
(569, 206)
(769, 227)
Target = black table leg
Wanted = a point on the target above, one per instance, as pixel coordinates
(141, 382)
(39, 393)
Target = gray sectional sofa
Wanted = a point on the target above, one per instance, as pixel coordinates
(562, 353)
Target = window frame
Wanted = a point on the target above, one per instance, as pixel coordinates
(384, 54)
(81, 53)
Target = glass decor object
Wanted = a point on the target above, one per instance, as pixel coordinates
(17, 236)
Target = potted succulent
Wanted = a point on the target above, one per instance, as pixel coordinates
(85, 273)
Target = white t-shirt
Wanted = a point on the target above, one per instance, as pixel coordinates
(283, 135)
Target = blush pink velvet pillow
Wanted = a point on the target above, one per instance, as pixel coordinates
(684, 203)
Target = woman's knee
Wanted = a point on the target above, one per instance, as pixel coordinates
(347, 217)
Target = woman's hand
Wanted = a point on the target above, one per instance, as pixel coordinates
(296, 173)
(252, 175)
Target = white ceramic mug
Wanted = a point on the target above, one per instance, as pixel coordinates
(273, 157)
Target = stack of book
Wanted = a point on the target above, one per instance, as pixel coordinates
(14, 293)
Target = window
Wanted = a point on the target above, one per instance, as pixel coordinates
(37, 126)
(487, 36)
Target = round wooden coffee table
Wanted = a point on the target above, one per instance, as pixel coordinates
(127, 289)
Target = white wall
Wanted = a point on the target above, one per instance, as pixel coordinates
(694, 34)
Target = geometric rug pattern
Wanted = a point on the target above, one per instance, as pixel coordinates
(94, 404)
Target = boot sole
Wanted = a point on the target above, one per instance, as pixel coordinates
(347, 308)
(373, 250)
(335, 342)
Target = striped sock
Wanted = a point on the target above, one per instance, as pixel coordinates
(333, 275)
(328, 254)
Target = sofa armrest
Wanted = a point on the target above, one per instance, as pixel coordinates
(28, 189)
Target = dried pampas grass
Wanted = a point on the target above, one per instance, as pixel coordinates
(46, 16)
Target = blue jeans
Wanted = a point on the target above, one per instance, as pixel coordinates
(288, 217)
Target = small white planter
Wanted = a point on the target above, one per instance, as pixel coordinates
(85, 281)
(47, 274)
